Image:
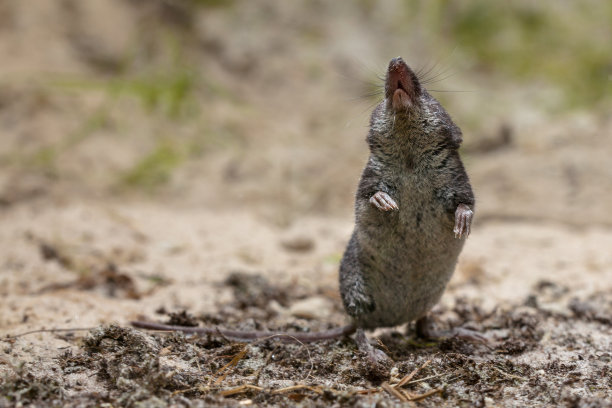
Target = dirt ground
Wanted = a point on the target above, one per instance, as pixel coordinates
(222, 196)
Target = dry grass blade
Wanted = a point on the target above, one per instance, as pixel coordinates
(368, 391)
(383, 346)
(516, 377)
(393, 392)
(428, 378)
(318, 390)
(224, 371)
(410, 376)
(240, 389)
(177, 392)
(421, 397)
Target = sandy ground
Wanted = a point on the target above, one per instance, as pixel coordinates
(234, 209)
(179, 259)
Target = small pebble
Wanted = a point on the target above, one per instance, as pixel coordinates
(298, 244)
(315, 308)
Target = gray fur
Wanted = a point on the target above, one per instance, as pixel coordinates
(397, 263)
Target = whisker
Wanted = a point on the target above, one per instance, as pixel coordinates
(422, 76)
(424, 70)
(373, 93)
(435, 78)
(445, 90)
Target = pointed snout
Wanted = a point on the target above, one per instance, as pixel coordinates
(397, 64)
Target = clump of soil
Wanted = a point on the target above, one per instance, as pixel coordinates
(24, 387)
(136, 368)
(254, 290)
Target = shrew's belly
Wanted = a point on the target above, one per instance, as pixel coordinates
(407, 259)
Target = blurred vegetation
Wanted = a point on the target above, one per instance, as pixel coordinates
(192, 90)
(155, 168)
(164, 87)
(169, 93)
(564, 43)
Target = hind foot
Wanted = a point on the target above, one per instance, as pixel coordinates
(380, 363)
(425, 330)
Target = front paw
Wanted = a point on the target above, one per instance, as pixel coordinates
(463, 221)
(383, 201)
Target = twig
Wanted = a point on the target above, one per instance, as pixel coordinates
(185, 390)
(240, 389)
(381, 344)
(409, 377)
(425, 395)
(225, 369)
(318, 390)
(368, 391)
(428, 378)
(393, 392)
(516, 377)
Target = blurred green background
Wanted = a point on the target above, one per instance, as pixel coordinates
(264, 104)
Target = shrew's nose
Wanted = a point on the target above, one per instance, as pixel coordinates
(396, 63)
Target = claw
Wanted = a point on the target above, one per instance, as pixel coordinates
(463, 221)
(468, 224)
(383, 201)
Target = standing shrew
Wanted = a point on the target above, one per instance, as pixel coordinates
(413, 209)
